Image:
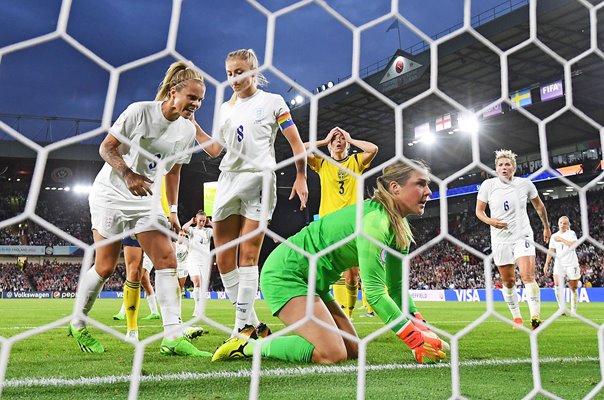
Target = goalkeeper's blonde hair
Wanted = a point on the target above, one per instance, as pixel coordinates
(399, 172)
(177, 76)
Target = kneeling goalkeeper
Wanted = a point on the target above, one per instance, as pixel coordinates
(401, 190)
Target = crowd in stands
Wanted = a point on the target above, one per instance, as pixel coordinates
(12, 278)
(51, 276)
(439, 265)
(64, 210)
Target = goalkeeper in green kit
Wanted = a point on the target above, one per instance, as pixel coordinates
(401, 190)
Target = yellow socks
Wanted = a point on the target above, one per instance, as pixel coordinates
(132, 299)
(352, 292)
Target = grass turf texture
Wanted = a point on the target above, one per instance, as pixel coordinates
(568, 347)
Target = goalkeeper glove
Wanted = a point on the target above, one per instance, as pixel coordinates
(421, 324)
(426, 348)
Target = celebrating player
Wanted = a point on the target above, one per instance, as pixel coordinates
(338, 190)
(566, 264)
(401, 190)
(511, 233)
(121, 199)
(199, 260)
(249, 122)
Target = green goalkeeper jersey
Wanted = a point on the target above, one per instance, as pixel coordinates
(379, 269)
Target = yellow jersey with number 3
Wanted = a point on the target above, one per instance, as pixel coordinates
(338, 188)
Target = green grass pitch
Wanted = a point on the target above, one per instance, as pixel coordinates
(494, 359)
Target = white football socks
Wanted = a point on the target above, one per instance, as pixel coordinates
(248, 287)
(88, 292)
(533, 299)
(167, 291)
(510, 296)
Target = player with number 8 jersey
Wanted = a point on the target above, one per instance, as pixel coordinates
(249, 123)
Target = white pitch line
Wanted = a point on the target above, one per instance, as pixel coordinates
(278, 323)
(294, 371)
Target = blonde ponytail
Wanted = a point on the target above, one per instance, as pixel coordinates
(176, 76)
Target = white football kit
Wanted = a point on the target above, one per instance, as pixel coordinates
(248, 128)
(507, 201)
(566, 262)
(113, 207)
(198, 261)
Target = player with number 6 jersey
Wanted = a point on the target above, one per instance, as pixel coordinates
(511, 233)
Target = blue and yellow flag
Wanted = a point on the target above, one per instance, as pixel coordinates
(521, 98)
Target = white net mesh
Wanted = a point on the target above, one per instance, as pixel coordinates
(397, 109)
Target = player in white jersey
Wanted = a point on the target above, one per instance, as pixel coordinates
(511, 233)
(199, 259)
(122, 200)
(248, 125)
(566, 264)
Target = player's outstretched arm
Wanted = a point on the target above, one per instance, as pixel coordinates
(210, 146)
(299, 188)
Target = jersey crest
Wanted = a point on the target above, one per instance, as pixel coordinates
(259, 115)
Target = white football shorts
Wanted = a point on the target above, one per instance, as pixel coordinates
(240, 193)
(508, 253)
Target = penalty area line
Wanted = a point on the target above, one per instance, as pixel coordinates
(281, 372)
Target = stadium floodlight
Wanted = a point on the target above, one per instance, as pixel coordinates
(67, 188)
(329, 84)
(82, 189)
(469, 123)
(299, 99)
(292, 102)
(429, 138)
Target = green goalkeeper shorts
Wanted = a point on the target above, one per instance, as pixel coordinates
(285, 276)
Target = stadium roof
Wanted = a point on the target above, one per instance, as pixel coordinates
(470, 73)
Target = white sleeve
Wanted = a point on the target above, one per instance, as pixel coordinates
(279, 105)
(127, 122)
(532, 192)
(483, 192)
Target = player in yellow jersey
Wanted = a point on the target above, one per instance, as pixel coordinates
(338, 190)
